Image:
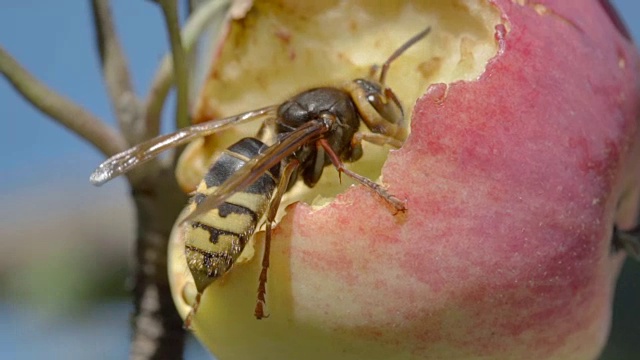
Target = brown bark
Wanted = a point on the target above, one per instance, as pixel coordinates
(157, 327)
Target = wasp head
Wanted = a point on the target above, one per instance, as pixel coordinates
(379, 108)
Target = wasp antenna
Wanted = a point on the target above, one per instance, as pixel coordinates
(400, 50)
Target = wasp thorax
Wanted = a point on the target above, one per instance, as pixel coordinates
(311, 104)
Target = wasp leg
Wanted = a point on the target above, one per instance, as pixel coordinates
(377, 139)
(392, 200)
(628, 240)
(283, 185)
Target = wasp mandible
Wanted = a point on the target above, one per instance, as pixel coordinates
(297, 139)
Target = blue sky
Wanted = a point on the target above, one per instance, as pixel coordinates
(54, 41)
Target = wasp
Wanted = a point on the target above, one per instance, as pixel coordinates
(297, 139)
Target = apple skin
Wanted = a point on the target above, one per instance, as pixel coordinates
(513, 184)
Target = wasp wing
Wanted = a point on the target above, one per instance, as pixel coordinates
(257, 166)
(141, 153)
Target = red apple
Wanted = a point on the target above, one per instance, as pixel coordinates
(524, 152)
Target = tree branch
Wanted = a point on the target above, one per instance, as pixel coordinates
(163, 79)
(61, 109)
(157, 328)
(126, 106)
(181, 74)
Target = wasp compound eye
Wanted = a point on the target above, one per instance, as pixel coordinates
(384, 102)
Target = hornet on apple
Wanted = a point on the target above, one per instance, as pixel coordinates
(246, 182)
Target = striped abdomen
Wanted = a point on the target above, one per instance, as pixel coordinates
(214, 241)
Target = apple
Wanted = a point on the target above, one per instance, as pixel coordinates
(524, 153)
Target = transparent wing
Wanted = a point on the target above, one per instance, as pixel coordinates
(139, 154)
(257, 166)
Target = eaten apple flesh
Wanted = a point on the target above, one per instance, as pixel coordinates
(514, 178)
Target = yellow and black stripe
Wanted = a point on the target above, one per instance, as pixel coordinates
(215, 240)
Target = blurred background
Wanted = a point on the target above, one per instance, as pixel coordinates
(63, 263)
